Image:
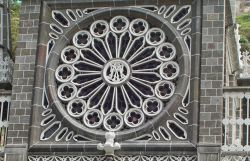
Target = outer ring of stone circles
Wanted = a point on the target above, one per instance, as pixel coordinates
(69, 107)
(106, 66)
(71, 85)
(99, 114)
(126, 115)
(58, 70)
(145, 109)
(94, 25)
(169, 95)
(155, 30)
(69, 48)
(85, 45)
(136, 21)
(112, 24)
(159, 48)
(106, 126)
(166, 64)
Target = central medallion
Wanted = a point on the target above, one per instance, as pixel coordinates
(116, 72)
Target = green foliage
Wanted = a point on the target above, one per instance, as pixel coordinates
(14, 13)
(245, 44)
(15, 1)
(244, 22)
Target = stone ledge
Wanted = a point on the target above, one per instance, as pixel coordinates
(208, 148)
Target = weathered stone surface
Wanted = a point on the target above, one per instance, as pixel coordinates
(23, 75)
(211, 71)
(211, 80)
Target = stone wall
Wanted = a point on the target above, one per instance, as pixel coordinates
(23, 77)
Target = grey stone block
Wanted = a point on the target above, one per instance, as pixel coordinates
(219, 9)
(218, 24)
(211, 92)
(213, 2)
(212, 17)
(208, 9)
(206, 84)
(205, 116)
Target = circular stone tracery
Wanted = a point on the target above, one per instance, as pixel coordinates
(117, 74)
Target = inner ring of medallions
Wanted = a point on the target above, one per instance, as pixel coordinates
(116, 72)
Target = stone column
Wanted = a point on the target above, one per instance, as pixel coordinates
(2, 6)
(211, 94)
(23, 77)
(5, 47)
(5, 39)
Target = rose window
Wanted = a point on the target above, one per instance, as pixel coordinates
(117, 74)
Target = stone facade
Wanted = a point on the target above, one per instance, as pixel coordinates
(207, 86)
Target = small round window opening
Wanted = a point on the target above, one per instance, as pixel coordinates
(117, 74)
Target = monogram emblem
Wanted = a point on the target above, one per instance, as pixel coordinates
(116, 71)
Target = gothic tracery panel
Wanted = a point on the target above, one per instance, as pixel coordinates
(123, 69)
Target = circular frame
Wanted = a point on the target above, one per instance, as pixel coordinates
(77, 102)
(115, 20)
(111, 116)
(130, 133)
(84, 34)
(155, 32)
(59, 77)
(152, 102)
(68, 50)
(173, 66)
(139, 24)
(167, 47)
(99, 24)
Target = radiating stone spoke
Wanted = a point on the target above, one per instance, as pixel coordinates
(101, 49)
(133, 98)
(83, 79)
(96, 99)
(149, 65)
(83, 66)
(87, 90)
(108, 102)
(143, 55)
(148, 77)
(137, 44)
(142, 88)
(90, 55)
(124, 42)
(112, 43)
(121, 104)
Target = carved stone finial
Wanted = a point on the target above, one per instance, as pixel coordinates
(245, 60)
(110, 145)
